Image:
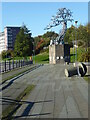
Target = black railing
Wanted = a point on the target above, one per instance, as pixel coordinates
(12, 64)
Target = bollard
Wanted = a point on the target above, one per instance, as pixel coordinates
(16, 63)
(12, 64)
(5, 66)
(9, 65)
(80, 70)
(19, 63)
(23, 62)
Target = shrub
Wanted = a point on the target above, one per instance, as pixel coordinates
(85, 56)
(7, 54)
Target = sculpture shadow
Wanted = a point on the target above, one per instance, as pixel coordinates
(6, 86)
(18, 105)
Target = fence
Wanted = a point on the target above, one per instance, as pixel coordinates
(12, 64)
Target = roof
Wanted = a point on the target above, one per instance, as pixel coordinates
(12, 27)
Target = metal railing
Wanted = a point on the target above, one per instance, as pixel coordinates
(12, 64)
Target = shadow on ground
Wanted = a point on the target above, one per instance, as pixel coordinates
(18, 104)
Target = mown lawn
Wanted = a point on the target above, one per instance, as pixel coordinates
(42, 58)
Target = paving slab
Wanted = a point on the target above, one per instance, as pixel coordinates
(55, 96)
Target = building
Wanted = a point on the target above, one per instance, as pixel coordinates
(8, 37)
(2, 41)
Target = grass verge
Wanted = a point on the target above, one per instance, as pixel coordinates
(42, 58)
(14, 75)
(87, 78)
(12, 108)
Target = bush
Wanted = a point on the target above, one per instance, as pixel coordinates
(85, 56)
(3, 54)
(7, 54)
(80, 43)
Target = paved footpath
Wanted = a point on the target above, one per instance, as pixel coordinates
(16, 71)
(54, 96)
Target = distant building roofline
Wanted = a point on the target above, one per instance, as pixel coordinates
(1, 32)
(12, 27)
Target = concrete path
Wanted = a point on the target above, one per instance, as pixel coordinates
(15, 71)
(54, 96)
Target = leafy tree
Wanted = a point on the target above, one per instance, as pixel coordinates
(23, 44)
(43, 41)
(7, 54)
(85, 56)
(50, 34)
(88, 32)
(70, 35)
(3, 54)
(81, 43)
(83, 34)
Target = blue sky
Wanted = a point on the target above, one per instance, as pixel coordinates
(36, 15)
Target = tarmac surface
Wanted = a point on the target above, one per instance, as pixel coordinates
(54, 96)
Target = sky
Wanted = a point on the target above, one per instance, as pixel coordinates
(36, 15)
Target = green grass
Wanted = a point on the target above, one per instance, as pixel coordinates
(11, 109)
(79, 52)
(87, 78)
(14, 58)
(42, 58)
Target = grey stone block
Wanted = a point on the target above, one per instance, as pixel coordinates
(59, 53)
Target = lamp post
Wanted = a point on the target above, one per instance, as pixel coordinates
(76, 41)
(33, 53)
(73, 46)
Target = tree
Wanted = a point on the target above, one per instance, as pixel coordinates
(70, 35)
(83, 34)
(7, 54)
(3, 54)
(43, 41)
(50, 34)
(23, 44)
(85, 56)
